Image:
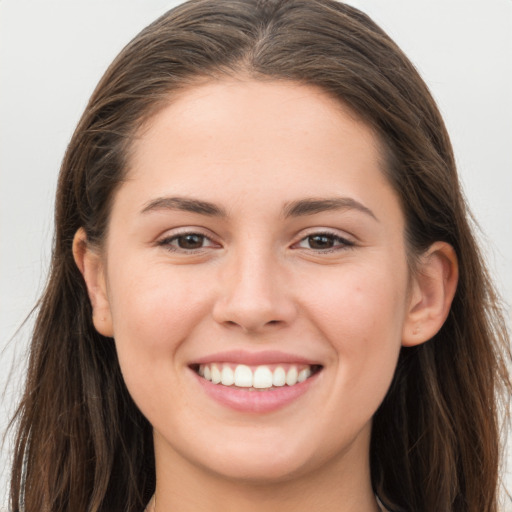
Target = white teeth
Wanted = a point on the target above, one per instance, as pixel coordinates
(243, 376)
(228, 377)
(279, 377)
(291, 376)
(215, 374)
(303, 375)
(263, 376)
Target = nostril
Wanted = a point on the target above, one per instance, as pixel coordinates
(247, 326)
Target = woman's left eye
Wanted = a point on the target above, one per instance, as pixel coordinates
(324, 242)
(187, 242)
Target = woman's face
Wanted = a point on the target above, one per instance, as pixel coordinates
(256, 239)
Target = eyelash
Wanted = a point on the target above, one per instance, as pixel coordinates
(168, 242)
(338, 243)
(343, 243)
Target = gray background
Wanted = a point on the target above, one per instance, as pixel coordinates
(52, 54)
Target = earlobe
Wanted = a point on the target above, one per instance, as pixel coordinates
(432, 291)
(90, 264)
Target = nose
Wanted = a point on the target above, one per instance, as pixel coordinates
(254, 294)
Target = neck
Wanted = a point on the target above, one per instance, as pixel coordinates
(342, 485)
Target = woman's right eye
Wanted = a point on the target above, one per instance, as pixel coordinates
(186, 242)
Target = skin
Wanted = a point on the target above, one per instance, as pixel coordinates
(258, 282)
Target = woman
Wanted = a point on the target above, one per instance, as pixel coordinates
(264, 290)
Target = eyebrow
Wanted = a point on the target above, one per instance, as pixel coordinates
(299, 208)
(312, 206)
(184, 204)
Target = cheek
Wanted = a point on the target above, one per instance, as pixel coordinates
(361, 302)
(154, 310)
(362, 317)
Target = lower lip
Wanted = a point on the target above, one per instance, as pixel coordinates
(255, 401)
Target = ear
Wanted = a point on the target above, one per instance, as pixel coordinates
(432, 290)
(91, 265)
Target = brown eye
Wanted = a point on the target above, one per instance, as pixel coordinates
(191, 241)
(321, 241)
(324, 242)
(187, 242)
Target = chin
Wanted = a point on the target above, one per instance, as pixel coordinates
(266, 459)
(261, 470)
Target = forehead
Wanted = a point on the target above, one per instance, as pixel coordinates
(254, 125)
(252, 149)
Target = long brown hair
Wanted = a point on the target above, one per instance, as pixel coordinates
(82, 445)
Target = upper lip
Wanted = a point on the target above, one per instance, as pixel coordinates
(254, 358)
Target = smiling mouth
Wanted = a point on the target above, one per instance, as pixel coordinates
(255, 378)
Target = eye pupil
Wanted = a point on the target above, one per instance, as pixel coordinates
(321, 242)
(190, 241)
